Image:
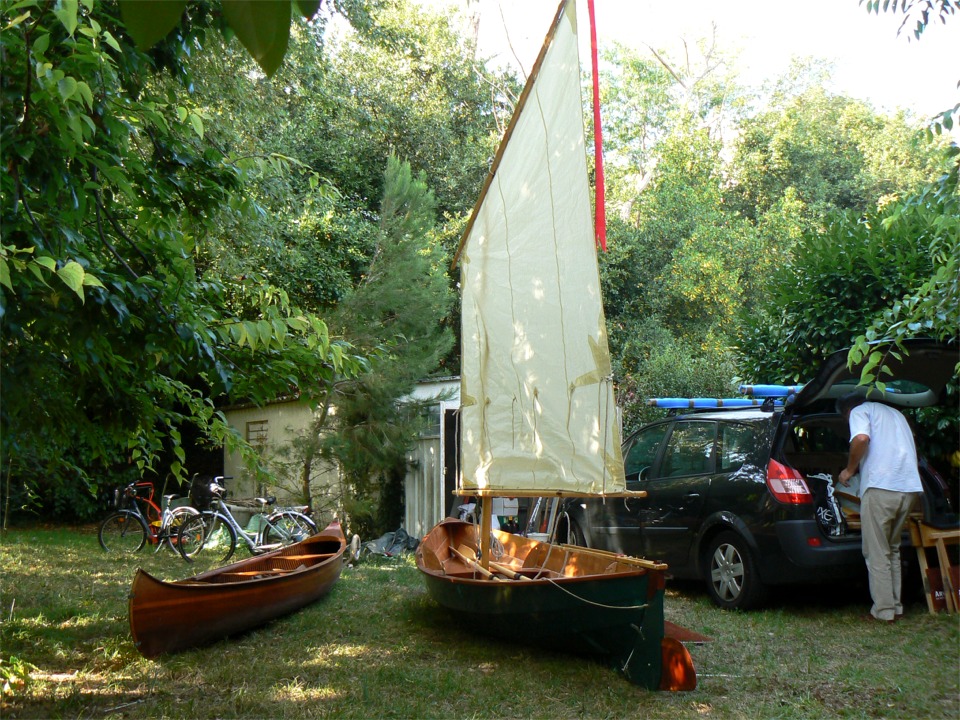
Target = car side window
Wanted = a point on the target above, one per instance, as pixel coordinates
(690, 449)
(735, 443)
(643, 449)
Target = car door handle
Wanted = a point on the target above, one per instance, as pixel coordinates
(692, 496)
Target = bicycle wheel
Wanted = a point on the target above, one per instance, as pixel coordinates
(123, 532)
(287, 527)
(207, 533)
(168, 532)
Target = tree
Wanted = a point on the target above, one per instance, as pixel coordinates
(932, 307)
(113, 337)
(318, 133)
(829, 153)
(401, 309)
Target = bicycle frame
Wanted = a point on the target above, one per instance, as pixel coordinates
(254, 541)
(158, 521)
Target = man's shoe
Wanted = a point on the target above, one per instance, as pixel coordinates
(870, 618)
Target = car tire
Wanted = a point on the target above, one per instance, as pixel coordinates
(730, 571)
(576, 536)
(570, 532)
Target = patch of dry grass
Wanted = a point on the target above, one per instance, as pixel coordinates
(377, 647)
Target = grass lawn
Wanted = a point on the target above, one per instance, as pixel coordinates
(378, 647)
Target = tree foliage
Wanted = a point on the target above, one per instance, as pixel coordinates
(401, 309)
(931, 306)
(263, 28)
(113, 337)
(827, 290)
(829, 153)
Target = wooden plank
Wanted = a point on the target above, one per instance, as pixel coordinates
(626, 559)
(486, 525)
(484, 493)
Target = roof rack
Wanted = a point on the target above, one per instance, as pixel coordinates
(770, 390)
(766, 397)
(710, 403)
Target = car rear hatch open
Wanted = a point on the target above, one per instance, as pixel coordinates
(918, 378)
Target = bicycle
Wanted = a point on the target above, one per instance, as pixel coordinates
(217, 529)
(127, 528)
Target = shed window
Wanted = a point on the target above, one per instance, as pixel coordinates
(257, 432)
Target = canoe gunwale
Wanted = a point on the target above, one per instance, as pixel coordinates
(168, 617)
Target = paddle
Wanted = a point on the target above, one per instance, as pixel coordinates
(474, 564)
(466, 550)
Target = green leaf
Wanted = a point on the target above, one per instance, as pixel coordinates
(5, 274)
(197, 122)
(308, 8)
(262, 27)
(72, 275)
(149, 22)
(67, 14)
(17, 20)
(41, 44)
(111, 41)
(46, 261)
(85, 93)
(67, 87)
(91, 280)
(265, 331)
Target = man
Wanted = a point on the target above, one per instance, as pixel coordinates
(881, 445)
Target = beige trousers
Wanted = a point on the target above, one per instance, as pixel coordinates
(883, 514)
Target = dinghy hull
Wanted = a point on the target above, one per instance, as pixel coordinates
(560, 597)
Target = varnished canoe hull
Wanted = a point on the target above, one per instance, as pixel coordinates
(167, 617)
(591, 604)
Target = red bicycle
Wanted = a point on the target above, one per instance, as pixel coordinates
(138, 518)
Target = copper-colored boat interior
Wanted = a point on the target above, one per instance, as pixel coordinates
(517, 558)
(286, 561)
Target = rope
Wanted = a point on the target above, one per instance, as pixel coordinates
(626, 663)
(596, 604)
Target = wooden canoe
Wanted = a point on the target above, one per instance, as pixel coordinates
(167, 617)
(561, 597)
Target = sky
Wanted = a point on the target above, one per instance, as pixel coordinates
(870, 61)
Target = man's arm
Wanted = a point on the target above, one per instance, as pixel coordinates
(858, 448)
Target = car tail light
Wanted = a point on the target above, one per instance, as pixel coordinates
(787, 484)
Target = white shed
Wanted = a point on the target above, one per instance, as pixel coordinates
(433, 463)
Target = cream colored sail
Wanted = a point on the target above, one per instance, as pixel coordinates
(538, 413)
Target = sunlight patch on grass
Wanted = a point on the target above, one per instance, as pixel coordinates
(332, 655)
(299, 691)
(346, 651)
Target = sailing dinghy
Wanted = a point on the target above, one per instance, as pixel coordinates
(538, 417)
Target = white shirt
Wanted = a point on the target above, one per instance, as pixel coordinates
(890, 462)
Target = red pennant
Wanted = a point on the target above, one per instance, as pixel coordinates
(600, 213)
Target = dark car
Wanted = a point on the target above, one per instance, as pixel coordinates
(739, 498)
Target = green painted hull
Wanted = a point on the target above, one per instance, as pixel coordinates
(617, 616)
(612, 618)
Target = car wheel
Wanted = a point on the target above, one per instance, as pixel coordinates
(568, 531)
(731, 573)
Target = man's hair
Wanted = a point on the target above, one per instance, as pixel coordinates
(849, 402)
